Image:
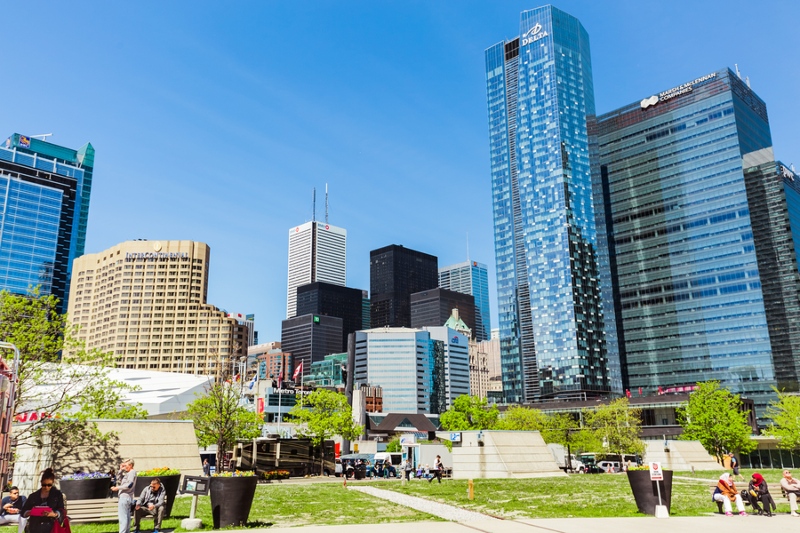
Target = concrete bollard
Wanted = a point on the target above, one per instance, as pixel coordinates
(470, 490)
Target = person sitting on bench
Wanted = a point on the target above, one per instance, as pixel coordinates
(726, 493)
(12, 505)
(759, 492)
(791, 487)
(150, 503)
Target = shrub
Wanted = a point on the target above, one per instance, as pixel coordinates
(235, 473)
(161, 471)
(86, 475)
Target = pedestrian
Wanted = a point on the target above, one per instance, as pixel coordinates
(735, 468)
(408, 468)
(437, 469)
(124, 487)
(206, 468)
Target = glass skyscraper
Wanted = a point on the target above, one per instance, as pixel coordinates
(44, 209)
(541, 105)
(472, 278)
(703, 250)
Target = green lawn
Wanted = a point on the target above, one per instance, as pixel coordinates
(599, 495)
(285, 505)
(595, 495)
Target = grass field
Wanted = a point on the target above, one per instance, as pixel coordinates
(285, 505)
(599, 495)
(596, 495)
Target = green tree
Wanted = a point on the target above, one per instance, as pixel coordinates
(394, 445)
(519, 418)
(220, 418)
(469, 412)
(617, 425)
(565, 430)
(714, 416)
(324, 414)
(784, 415)
(70, 395)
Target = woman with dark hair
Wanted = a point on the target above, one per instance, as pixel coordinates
(759, 492)
(44, 506)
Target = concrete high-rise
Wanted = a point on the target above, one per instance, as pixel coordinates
(471, 278)
(317, 252)
(395, 273)
(44, 209)
(704, 222)
(145, 301)
(434, 307)
(540, 94)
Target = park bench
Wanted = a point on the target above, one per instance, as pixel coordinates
(104, 510)
(713, 488)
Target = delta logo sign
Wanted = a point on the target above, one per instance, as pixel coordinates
(534, 34)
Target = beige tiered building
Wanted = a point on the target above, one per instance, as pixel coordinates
(145, 301)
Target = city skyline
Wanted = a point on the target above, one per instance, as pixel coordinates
(183, 150)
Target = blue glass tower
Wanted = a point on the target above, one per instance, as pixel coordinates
(553, 336)
(44, 196)
(704, 224)
(472, 278)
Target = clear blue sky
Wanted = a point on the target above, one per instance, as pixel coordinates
(213, 120)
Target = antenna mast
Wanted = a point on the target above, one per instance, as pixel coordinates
(326, 203)
(313, 204)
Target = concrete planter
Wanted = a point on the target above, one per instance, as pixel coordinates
(231, 499)
(645, 491)
(85, 489)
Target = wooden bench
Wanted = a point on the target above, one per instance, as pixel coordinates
(103, 510)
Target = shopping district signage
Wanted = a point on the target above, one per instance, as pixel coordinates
(534, 34)
(156, 256)
(675, 91)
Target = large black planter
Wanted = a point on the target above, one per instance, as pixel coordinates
(85, 489)
(231, 499)
(645, 491)
(170, 483)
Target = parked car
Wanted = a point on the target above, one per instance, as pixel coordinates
(607, 466)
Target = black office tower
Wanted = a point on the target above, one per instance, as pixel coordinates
(326, 299)
(434, 307)
(309, 338)
(395, 273)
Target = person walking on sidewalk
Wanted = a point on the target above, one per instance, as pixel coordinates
(437, 469)
(735, 468)
(125, 482)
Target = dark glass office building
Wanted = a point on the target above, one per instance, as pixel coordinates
(44, 208)
(434, 307)
(395, 273)
(553, 337)
(309, 338)
(327, 299)
(702, 250)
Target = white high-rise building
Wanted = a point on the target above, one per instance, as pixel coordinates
(317, 252)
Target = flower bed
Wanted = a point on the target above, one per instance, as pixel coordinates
(158, 472)
(86, 475)
(235, 473)
(276, 474)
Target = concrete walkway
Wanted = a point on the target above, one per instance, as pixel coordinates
(566, 525)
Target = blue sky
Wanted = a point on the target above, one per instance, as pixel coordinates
(213, 121)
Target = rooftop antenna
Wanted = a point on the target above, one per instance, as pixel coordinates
(747, 81)
(42, 136)
(313, 204)
(326, 203)
(736, 65)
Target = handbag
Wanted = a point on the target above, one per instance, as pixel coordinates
(61, 527)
